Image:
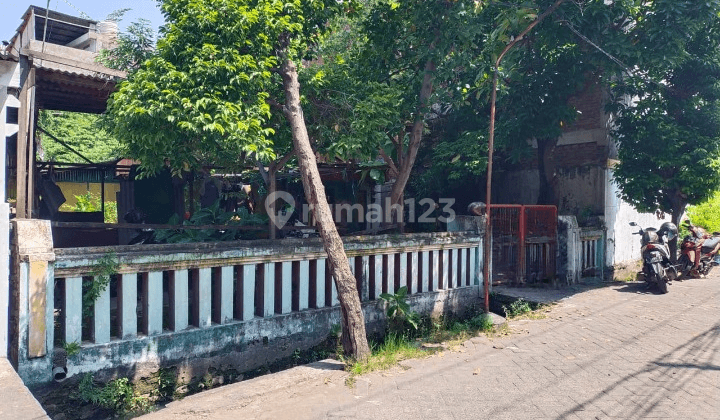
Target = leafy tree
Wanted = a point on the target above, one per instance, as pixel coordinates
(82, 132)
(205, 98)
(133, 47)
(668, 121)
(707, 213)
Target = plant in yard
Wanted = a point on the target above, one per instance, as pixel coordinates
(517, 308)
(398, 311)
(117, 395)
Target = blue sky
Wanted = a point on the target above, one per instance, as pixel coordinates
(12, 10)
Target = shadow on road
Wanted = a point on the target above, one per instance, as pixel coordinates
(640, 288)
(663, 377)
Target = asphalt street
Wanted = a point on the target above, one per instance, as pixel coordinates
(619, 351)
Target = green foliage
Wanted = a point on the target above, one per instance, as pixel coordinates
(482, 322)
(82, 132)
(71, 349)
(118, 395)
(167, 384)
(670, 132)
(133, 47)
(707, 213)
(517, 308)
(94, 285)
(212, 215)
(398, 311)
(204, 97)
(89, 202)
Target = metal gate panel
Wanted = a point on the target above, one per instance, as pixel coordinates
(524, 243)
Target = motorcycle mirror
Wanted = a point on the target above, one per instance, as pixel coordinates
(633, 224)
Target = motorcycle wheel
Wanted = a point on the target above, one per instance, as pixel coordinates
(662, 285)
(685, 266)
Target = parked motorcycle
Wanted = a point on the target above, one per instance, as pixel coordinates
(707, 261)
(657, 267)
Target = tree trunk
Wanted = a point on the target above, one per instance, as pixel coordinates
(546, 171)
(269, 176)
(354, 339)
(406, 162)
(272, 211)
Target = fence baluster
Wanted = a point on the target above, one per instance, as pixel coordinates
(179, 301)
(463, 267)
(390, 275)
(403, 269)
(246, 292)
(223, 295)
(379, 273)
(365, 277)
(202, 287)
(319, 283)
(73, 310)
(425, 283)
(455, 269)
(268, 289)
(101, 317)
(286, 287)
(414, 279)
(435, 269)
(127, 306)
(152, 312)
(304, 299)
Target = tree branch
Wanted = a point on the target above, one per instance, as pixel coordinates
(391, 164)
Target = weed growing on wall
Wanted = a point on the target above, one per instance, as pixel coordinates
(93, 286)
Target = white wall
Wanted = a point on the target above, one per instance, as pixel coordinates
(622, 245)
(9, 77)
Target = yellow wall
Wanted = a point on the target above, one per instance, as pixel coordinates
(71, 189)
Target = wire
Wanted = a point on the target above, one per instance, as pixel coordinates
(610, 56)
(82, 14)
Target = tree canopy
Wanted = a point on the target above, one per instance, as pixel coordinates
(82, 132)
(668, 107)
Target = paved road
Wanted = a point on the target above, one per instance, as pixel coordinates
(614, 352)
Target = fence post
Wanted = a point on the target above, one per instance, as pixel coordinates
(32, 322)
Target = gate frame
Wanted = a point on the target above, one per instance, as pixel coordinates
(521, 263)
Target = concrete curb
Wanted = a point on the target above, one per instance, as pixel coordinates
(17, 401)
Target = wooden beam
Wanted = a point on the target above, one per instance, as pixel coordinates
(69, 62)
(32, 114)
(22, 139)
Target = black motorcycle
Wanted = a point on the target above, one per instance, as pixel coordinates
(657, 267)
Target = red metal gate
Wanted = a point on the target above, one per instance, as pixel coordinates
(524, 243)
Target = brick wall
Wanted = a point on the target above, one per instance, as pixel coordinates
(589, 102)
(581, 154)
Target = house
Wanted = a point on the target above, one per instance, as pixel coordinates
(582, 165)
(49, 63)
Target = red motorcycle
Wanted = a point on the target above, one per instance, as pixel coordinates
(707, 258)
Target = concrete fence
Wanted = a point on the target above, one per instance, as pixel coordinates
(581, 251)
(243, 303)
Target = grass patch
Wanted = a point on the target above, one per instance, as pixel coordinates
(410, 344)
(393, 350)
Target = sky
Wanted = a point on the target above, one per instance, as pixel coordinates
(11, 11)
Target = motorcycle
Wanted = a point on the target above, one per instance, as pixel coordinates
(707, 261)
(657, 267)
